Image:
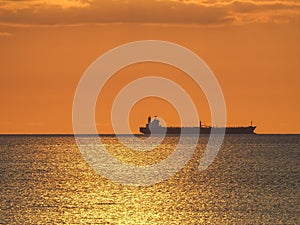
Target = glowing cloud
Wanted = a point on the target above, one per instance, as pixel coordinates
(5, 34)
(39, 12)
(34, 4)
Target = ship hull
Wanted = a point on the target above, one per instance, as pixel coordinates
(195, 130)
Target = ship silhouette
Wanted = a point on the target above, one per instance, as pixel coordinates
(153, 127)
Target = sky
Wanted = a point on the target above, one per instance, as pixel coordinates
(251, 46)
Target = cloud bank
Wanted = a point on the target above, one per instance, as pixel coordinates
(198, 12)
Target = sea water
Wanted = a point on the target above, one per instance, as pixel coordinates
(253, 180)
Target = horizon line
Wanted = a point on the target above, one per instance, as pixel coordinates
(114, 134)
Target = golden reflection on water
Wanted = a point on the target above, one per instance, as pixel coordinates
(253, 180)
(138, 157)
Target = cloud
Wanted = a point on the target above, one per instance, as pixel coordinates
(196, 12)
(265, 11)
(15, 6)
(5, 34)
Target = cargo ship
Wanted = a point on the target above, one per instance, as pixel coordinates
(153, 127)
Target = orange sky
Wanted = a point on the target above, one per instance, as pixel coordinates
(252, 47)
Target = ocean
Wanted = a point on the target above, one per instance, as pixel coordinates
(253, 180)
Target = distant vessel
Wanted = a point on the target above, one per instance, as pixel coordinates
(154, 127)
